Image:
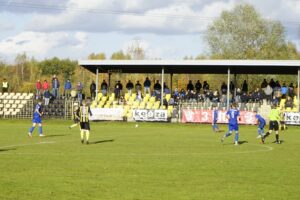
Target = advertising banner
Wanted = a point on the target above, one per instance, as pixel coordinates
(206, 116)
(150, 115)
(292, 118)
(109, 114)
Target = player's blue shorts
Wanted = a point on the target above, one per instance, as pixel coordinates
(233, 127)
(37, 120)
(261, 126)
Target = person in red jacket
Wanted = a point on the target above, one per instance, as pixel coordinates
(45, 86)
(38, 86)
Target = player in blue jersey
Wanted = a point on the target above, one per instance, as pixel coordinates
(261, 122)
(215, 114)
(233, 116)
(37, 119)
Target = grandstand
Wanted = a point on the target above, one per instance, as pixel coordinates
(16, 105)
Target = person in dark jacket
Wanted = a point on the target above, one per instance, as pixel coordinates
(93, 90)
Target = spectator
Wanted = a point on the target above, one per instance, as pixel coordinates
(118, 89)
(190, 86)
(166, 89)
(47, 96)
(268, 92)
(264, 84)
(129, 87)
(238, 95)
(182, 94)
(198, 86)
(104, 87)
(291, 90)
(215, 97)
(5, 86)
(289, 103)
(67, 88)
(205, 87)
(55, 86)
(176, 93)
(45, 86)
(231, 87)
(284, 90)
(93, 90)
(224, 88)
(138, 87)
(157, 88)
(79, 88)
(147, 85)
(245, 87)
(38, 87)
(244, 97)
(272, 83)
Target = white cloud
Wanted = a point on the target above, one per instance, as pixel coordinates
(39, 44)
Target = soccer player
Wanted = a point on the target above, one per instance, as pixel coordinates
(233, 116)
(282, 122)
(76, 119)
(274, 124)
(261, 124)
(83, 114)
(215, 119)
(37, 119)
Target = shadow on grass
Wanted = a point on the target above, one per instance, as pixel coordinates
(7, 149)
(61, 135)
(101, 141)
(281, 141)
(243, 142)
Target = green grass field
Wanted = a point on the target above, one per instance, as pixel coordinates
(154, 161)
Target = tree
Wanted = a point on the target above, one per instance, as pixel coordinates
(57, 66)
(99, 56)
(243, 34)
(135, 50)
(120, 55)
(21, 60)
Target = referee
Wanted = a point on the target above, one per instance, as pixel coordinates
(83, 115)
(274, 124)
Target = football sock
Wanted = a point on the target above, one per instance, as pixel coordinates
(81, 134)
(73, 125)
(267, 134)
(236, 137)
(227, 134)
(259, 131)
(40, 130)
(31, 129)
(87, 135)
(277, 137)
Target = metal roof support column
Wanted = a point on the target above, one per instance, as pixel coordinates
(108, 89)
(228, 86)
(171, 84)
(97, 83)
(162, 86)
(298, 90)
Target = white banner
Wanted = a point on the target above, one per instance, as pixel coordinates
(150, 115)
(292, 118)
(107, 114)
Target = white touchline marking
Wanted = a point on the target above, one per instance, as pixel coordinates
(23, 145)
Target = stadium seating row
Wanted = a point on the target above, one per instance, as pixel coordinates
(130, 103)
(14, 96)
(12, 104)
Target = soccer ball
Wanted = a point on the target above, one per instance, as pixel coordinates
(136, 125)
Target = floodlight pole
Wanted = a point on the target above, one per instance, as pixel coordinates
(97, 84)
(109, 77)
(162, 86)
(298, 90)
(228, 87)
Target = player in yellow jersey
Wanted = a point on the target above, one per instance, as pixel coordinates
(274, 124)
(83, 114)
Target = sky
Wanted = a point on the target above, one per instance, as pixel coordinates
(166, 29)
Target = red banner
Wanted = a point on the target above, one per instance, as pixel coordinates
(206, 116)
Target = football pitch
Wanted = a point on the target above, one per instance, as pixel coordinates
(153, 161)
